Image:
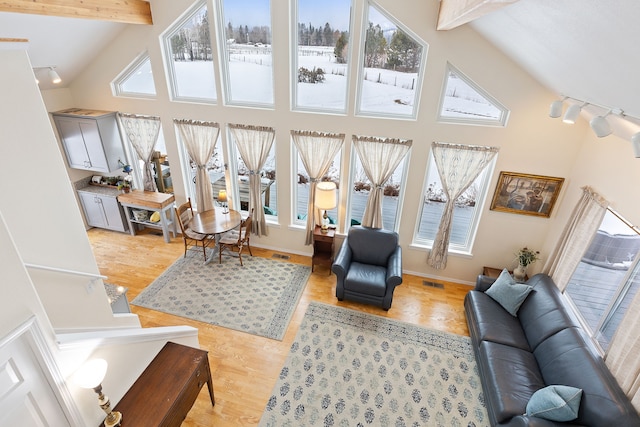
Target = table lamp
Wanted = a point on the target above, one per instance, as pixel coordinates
(222, 199)
(90, 375)
(325, 199)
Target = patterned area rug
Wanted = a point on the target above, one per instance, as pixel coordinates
(258, 298)
(348, 368)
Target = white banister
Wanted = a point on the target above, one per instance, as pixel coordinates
(64, 270)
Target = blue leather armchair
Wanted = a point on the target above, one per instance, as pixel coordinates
(368, 266)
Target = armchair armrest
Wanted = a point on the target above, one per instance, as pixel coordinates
(484, 282)
(342, 260)
(394, 268)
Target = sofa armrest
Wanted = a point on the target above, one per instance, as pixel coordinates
(342, 260)
(524, 421)
(394, 268)
(484, 282)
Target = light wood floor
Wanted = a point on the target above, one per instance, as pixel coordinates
(245, 367)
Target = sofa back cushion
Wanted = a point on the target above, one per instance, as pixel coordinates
(371, 246)
(566, 358)
(543, 313)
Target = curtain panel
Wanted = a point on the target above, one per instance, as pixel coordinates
(254, 144)
(199, 139)
(576, 237)
(142, 132)
(379, 158)
(317, 151)
(458, 166)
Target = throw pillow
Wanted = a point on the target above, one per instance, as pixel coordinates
(555, 403)
(508, 293)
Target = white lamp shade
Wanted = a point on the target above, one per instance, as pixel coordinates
(556, 109)
(600, 126)
(222, 196)
(635, 144)
(91, 374)
(325, 195)
(55, 78)
(572, 114)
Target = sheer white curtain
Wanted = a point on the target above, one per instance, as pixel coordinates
(199, 139)
(458, 166)
(254, 144)
(317, 151)
(576, 237)
(380, 158)
(142, 132)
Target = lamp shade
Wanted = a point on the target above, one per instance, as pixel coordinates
(635, 144)
(600, 126)
(222, 196)
(55, 78)
(325, 195)
(91, 374)
(555, 110)
(572, 114)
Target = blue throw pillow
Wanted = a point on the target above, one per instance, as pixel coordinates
(555, 403)
(508, 293)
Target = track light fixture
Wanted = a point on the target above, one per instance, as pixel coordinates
(572, 113)
(600, 125)
(53, 75)
(635, 144)
(555, 110)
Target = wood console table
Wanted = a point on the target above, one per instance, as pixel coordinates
(323, 247)
(150, 201)
(166, 390)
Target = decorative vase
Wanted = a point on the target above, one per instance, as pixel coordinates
(519, 273)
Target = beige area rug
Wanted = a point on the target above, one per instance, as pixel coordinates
(259, 298)
(348, 368)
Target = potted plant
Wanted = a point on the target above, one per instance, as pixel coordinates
(525, 257)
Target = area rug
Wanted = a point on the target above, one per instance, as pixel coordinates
(259, 298)
(347, 368)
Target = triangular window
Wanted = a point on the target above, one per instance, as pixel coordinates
(136, 80)
(465, 102)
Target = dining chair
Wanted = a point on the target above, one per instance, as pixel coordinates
(236, 239)
(184, 214)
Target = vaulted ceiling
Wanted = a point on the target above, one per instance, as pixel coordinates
(584, 49)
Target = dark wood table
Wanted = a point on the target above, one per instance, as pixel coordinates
(323, 247)
(214, 222)
(166, 390)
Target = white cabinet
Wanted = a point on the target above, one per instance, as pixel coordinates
(102, 211)
(90, 138)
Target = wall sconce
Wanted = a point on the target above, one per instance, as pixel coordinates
(635, 144)
(572, 113)
(90, 375)
(555, 110)
(600, 125)
(53, 75)
(222, 199)
(325, 199)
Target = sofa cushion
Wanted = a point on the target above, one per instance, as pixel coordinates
(555, 403)
(508, 292)
(366, 279)
(567, 358)
(484, 314)
(510, 377)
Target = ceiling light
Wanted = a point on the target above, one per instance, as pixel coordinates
(55, 78)
(555, 110)
(635, 144)
(600, 125)
(572, 113)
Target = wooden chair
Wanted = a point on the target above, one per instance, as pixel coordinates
(236, 239)
(184, 213)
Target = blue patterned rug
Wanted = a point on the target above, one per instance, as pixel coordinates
(259, 298)
(348, 368)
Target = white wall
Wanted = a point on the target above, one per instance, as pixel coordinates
(531, 142)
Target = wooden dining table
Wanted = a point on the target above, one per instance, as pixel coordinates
(214, 222)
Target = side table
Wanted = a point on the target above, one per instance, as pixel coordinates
(165, 392)
(322, 247)
(495, 272)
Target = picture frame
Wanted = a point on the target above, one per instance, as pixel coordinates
(526, 194)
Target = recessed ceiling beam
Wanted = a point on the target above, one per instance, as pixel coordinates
(125, 11)
(454, 13)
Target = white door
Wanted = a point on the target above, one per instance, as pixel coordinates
(26, 398)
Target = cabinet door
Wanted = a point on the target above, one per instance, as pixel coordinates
(93, 144)
(113, 214)
(93, 211)
(73, 143)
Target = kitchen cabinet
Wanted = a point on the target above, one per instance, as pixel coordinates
(102, 210)
(90, 138)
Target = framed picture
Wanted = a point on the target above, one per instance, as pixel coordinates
(526, 194)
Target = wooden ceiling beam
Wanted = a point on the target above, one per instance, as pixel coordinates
(454, 13)
(125, 11)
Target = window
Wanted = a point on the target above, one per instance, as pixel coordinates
(392, 63)
(188, 54)
(320, 69)
(361, 186)
(466, 214)
(465, 102)
(248, 64)
(607, 278)
(302, 187)
(136, 79)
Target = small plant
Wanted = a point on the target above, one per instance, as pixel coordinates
(526, 256)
